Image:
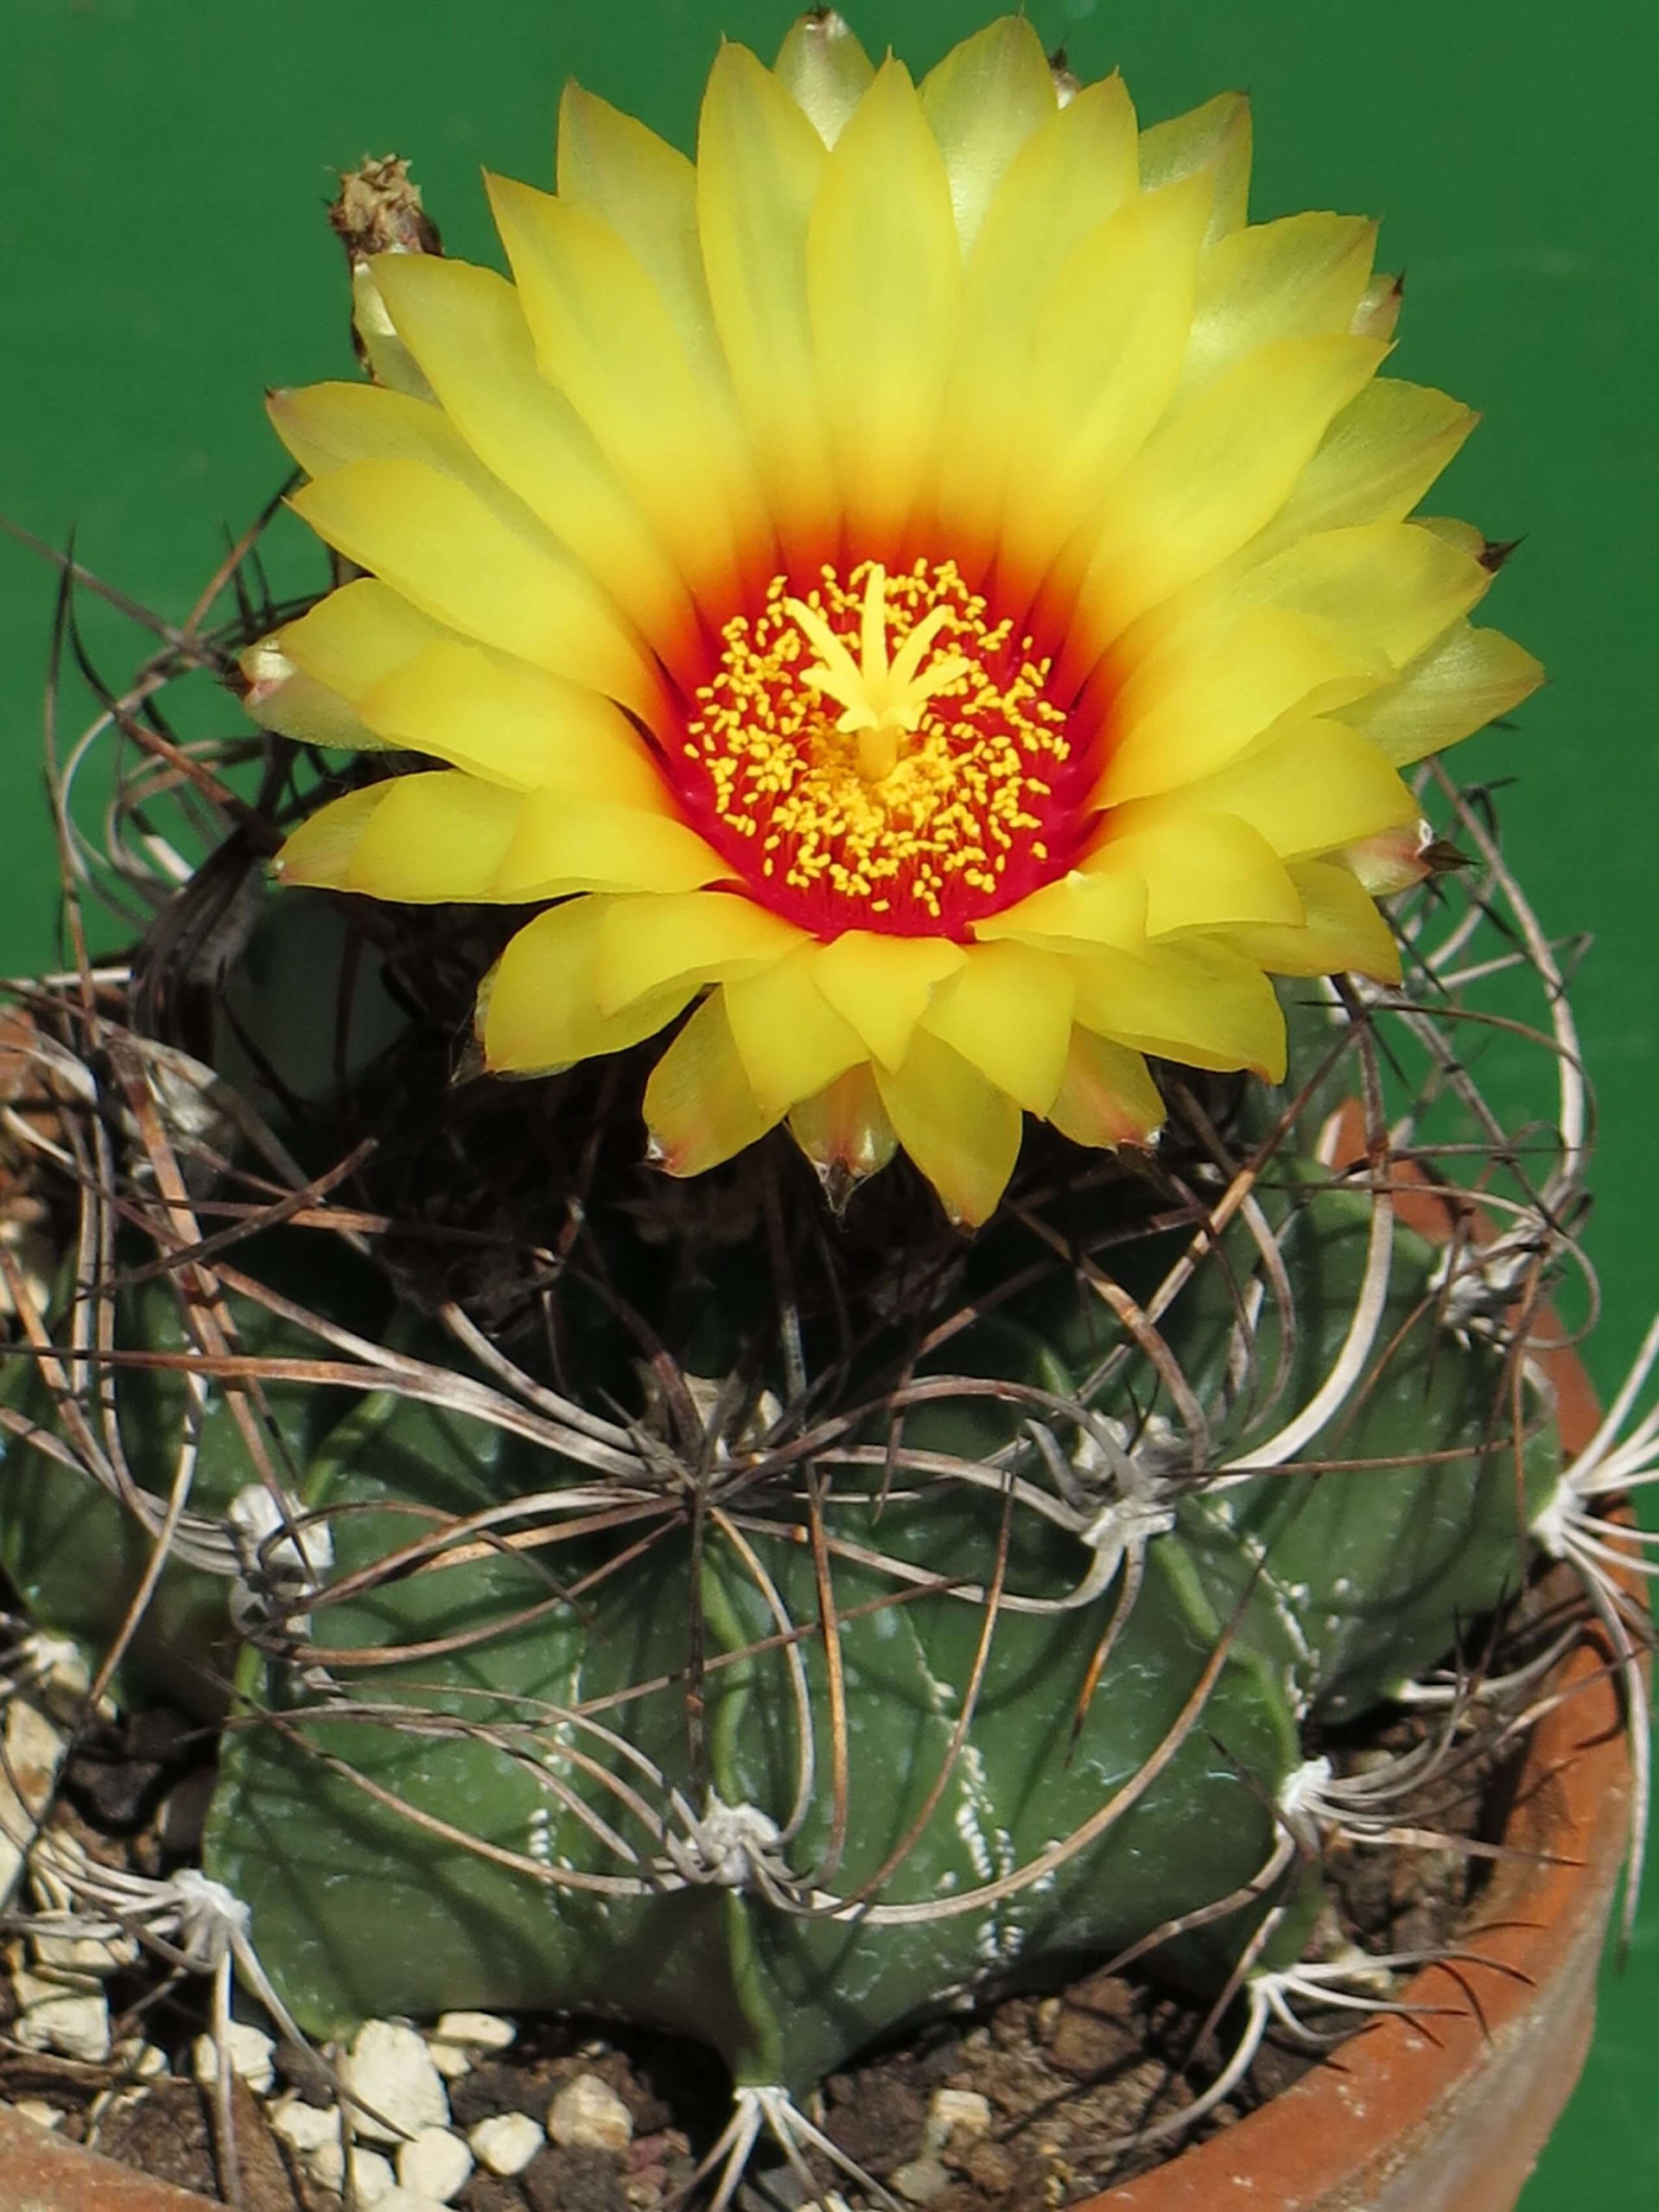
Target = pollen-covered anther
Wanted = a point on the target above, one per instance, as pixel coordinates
(879, 752)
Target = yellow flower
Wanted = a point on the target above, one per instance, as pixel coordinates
(926, 587)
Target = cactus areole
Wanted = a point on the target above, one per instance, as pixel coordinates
(920, 602)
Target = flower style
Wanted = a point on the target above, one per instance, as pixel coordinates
(926, 587)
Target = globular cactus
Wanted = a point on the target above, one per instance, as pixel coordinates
(772, 1628)
(896, 1770)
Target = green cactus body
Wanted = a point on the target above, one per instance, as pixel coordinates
(360, 1910)
(77, 1556)
(628, 1837)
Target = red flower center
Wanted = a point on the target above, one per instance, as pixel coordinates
(884, 753)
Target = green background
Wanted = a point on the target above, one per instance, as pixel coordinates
(163, 169)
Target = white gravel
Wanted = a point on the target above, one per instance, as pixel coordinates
(435, 2164)
(956, 2109)
(458, 2040)
(67, 2015)
(505, 2143)
(252, 2054)
(304, 2127)
(588, 2114)
(390, 2069)
(371, 2174)
(34, 1751)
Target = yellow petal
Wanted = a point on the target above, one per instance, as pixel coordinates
(1217, 137)
(357, 635)
(388, 361)
(1212, 475)
(1464, 680)
(646, 191)
(759, 165)
(1303, 277)
(881, 985)
(884, 277)
(439, 546)
(1008, 1014)
(565, 844)
(825, 70)
(1199, 1004)
(427, 838)
(326, 426)
(1393, 586)
(535, 1008)
(604, 336)
(1103, 905)
(1307, 789)
(1391, 861)
(791, 1039)
(513, 725)
(1110, 333)
(1065, 181)
(844, 1131)
(1219, 683)
(1202, 870)
(282, 697)
(1379, 456)
(704, 937)
(982, 102)
(320, 852)
(961, 1131)
(1106, 1097)
(465, 327)
(699, 1107)
(1462, 537)
(1342, 932)
(330, 428)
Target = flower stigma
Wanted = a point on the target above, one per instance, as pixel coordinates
(881, 751)
(883, 700)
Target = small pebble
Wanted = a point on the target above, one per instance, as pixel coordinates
(71, 2018)
(408, 2200)
(59, 1674)
(920, 2181)
(457, 2038)
(95, 1955)
(507, 2143)
(371, 2174)
(435, 2164)
(956, 2109)
(37, 2109)
(34, 1750)
(588, 2114)
(251, 2053)
(140, 2060)
(304, 2127)
(390, 2069)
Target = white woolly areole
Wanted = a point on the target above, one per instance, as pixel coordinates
(1304, 1789)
